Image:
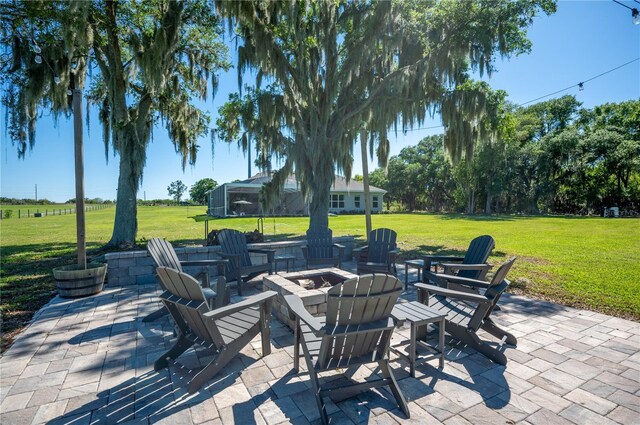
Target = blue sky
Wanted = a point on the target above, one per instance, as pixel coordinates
(581, 40)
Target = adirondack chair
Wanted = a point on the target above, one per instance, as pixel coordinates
(163, 254)
(319, 248)
(379, 256)
(472, 266)
(225, 330)
(234, 248)
(468, 312)
(355, 331)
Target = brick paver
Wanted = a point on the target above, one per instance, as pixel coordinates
(90, 361)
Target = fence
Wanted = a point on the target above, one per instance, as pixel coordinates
(31, 212)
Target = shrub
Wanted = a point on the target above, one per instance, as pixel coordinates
(7, 213)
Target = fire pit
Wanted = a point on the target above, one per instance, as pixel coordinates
(310, 285)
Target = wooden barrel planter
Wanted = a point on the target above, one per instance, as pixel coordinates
(74, 281)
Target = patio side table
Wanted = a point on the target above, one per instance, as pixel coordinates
(418, 315)
(283, 257)
(416, 264)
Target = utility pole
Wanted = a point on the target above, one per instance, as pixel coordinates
(36, 193)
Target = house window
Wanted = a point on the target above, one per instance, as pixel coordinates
(356, 201)
(337, 201)
(374, 204)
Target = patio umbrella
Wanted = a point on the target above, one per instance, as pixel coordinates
(240, 203)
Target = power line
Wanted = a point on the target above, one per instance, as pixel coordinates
(623, 5)
(581, 84)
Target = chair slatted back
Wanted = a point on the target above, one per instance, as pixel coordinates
(494, 291)
(163, 253)
(187, 304)
(479, 250)
(353, 305)
(234, 242)
(381, 241)
(319, 243)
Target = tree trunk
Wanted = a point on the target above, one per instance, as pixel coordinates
(365, 182)
(79, 164)
(472, 202)
(125, 225)
(319, 208)
(487, 206)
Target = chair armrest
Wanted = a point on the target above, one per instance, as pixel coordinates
(444, 258)
(475, 283)
(360, 254)
(450, 267)
(232, 257)
(444, 279)
(220, 264)
(339, 246)
(294, 303)
(242, 305)
(450, 293)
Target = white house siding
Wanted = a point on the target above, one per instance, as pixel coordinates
(350, 204)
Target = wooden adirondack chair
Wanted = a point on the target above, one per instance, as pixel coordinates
(468, 312)
(234, 248)
(164, 255)
(225, 330)
(472, 266)
(355, 331)
(379, 256)
(319, 248)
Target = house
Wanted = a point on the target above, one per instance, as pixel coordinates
(242, 198)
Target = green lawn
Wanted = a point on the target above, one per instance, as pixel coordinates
(587, 262)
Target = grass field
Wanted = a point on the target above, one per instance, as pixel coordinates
(587, 262)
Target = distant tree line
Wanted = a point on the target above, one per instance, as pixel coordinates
(552, 157)
(26, 201)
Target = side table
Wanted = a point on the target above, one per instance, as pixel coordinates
(418, 315)
(416, 264)
(283, 257)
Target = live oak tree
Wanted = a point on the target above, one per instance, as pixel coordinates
(148, 60)
(326, 70)
(198, 191)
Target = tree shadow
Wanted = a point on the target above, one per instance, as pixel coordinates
(478, 217)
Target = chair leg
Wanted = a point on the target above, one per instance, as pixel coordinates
(296, 346)
(315, 388)
(393, 386)
(265, 328)
(491, 327)
(210, 370)
(473, 341)
(161, 312)
(181, 345)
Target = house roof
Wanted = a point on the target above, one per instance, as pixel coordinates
(340, 184)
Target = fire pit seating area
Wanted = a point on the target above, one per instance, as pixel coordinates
(310, 285)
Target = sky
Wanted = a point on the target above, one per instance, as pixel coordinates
(583, 39)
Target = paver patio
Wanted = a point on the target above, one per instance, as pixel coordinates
(91, 360)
